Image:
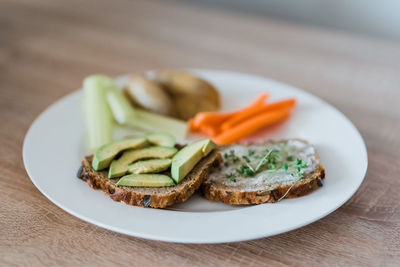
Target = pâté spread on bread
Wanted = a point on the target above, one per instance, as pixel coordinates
(261, 172)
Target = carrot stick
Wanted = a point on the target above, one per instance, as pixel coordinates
(216, 118)
(210, 118)
(241, 116)
(192, 127)
(252, 125)
(205, 129)
(208, 130)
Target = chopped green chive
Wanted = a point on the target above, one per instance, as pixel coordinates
(300, 163)
(285, 166)
(231, 176)
(246, 158)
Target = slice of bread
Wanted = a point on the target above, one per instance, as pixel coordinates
(155, 197)
(265, 187)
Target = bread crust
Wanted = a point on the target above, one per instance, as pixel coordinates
(303, 187)
(192, 181)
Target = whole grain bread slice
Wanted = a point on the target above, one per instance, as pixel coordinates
(243, 194)
(155, 197)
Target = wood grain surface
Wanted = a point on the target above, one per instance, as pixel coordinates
(47, 47)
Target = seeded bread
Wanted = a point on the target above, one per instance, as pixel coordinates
(215, 188)
(155, 197)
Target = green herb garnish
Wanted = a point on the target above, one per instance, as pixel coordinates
(246, 170)
(231, 176)
(232, 156)
(300, 163)
(246, 158)
(285, 166)
(272, 160)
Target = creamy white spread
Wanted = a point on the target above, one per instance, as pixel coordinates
(266, 178)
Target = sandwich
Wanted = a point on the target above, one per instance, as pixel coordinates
(267, 171)
(150, 171)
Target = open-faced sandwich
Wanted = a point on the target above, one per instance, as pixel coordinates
(261, 172)
(150, 171)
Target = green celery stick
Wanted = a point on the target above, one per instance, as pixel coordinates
(155, 123)
(126, 114)
(99, 121)
(120, 106)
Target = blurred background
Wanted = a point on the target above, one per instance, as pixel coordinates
(377, 18)
(324, 47)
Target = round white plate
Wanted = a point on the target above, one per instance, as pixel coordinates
(55, 145)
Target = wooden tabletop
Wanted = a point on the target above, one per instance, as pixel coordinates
(48, 47)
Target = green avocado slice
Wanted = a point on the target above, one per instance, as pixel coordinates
(105, 154)
(119, 167)
(184, 161)
(146, 180)
(149, 166)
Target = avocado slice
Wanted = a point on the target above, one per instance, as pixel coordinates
(184, 161)
(161, 139)
(149, 166)
(146, 180)
(119, 166)
(105, 154)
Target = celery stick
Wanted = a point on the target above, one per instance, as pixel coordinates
(120, 106)
(99, 121)
(126, 114)
(155, 122)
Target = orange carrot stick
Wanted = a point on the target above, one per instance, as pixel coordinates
(252, 125)
(216, 118)
(205, 129)
(192, 127)
(208, 130)
(210, 118)
(241, 116)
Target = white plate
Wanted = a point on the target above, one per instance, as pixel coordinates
(55, 145)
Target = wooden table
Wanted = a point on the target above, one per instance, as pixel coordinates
(48, 47)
